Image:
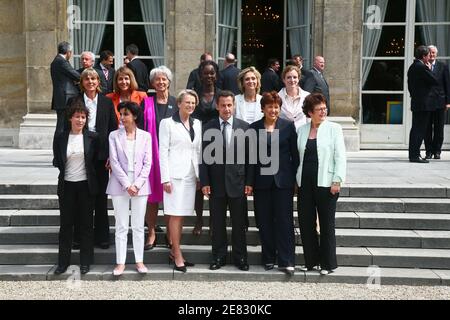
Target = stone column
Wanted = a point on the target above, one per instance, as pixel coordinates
(13, 89)
(45, 27)
(193, 34)
(338, 38)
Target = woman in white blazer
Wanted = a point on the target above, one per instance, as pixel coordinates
(180, 140)
(320, 174)
(248, 104)
(130, 156)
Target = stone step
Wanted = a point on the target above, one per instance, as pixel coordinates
(359, 257)
(348, 190)
(163, 272)
(349, 204)
(364, 220)
(344, 237)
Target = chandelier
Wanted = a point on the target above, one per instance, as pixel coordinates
(260, 12)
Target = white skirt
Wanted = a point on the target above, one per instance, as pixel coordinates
(181, 201)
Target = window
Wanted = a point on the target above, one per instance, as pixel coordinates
(383, 61)
(113, 24)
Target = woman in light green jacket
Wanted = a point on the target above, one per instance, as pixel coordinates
(320, 174)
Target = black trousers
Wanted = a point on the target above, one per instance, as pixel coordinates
(218, 211)
(76, 202)
(60, 121)
(275, 219)
(435, 132)
(312, 200)
(420, 120)
(101, 222)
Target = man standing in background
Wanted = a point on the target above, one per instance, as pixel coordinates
(64, 77)
(441, 99)
(314, 81)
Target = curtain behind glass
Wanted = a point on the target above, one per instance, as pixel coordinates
(152, 11)
(371, 37)
(90, 36)
(228, 17)
(298, 15)
(435, 11)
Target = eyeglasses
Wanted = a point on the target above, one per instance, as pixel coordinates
(321, 109)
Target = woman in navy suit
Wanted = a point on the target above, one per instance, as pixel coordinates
(274, 189)
(319, 176)
(75, 152)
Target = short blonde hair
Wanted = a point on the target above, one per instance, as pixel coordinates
(87, 73)
(125, 71)
(240, 78)
(187, 92)
(289, 69)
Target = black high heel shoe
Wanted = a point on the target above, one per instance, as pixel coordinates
(180, 268)
(186, 263)
(150, 246)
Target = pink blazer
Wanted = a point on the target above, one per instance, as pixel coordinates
(119, 181)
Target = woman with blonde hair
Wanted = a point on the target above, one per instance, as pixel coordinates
(248, 104)
(125, 89)
(180, 147)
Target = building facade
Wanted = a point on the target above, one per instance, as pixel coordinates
(368, 46)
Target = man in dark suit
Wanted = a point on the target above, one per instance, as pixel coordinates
(106, 71)
(421, 83)
(194, 81)
(270, 80)
(229, 74)
(64, 78)
(441, 96)
(87, 60)
(226, 183)
(138, 67)
(314, 81)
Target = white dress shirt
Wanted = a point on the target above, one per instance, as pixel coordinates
(292, 108)
(228, 128)
(92, 107)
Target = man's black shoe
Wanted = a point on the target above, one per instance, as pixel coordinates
(76, 245)
(103, 245)
(437, 156)
(217, 264)
(242, 265)
(429, 155)
(60, 269)
(419, 160)
(268, 266)
(84, 269)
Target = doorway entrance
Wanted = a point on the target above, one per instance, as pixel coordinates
(262, 32)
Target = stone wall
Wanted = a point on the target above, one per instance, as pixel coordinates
(190, 35)
(337, 36)
(13, 85)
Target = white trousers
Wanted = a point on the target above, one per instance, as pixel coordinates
(121, 212)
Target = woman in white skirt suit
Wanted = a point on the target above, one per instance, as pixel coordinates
(179, 152)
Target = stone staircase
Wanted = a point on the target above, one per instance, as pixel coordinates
(403, 230)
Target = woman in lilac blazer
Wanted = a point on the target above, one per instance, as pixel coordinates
(130, 156)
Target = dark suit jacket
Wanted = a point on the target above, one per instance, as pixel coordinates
(226, 179)
(229, 79)
(270, 81)
(421, 83)
(194, 82)
(60, 142)
(288, 156)
(140, 72)
(441, 92)
(64, 78)
(105, 123)
(313, 82)
(107, 85)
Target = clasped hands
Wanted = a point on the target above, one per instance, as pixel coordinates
(133, 190)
